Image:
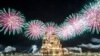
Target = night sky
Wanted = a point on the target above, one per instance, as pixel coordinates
(46, 11)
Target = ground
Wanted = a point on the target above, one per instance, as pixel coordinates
(71, 54)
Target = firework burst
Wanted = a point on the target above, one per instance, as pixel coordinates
(92, 15)
(65, 31)
(35, 29)
(79, 23)
(73, 21)
(51, 28)
(11, 21)
(81, 26)
(73, 26)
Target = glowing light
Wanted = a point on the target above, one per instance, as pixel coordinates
(11, 21)
(35, 29)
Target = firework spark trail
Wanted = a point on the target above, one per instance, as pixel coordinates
(11, 21)
(51, 28)
(35, 29)
(92, 15)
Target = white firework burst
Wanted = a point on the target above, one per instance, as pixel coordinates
(65, 31)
